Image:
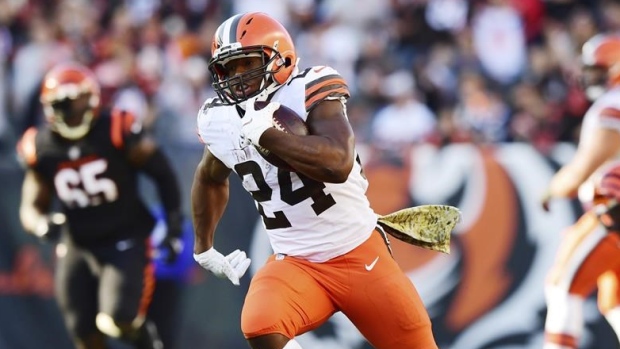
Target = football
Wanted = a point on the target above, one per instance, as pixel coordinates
(285, 120)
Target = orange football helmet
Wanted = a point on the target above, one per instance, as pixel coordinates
(70, 96)
(251, 35)
(600, 57)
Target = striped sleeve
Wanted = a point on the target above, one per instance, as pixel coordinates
(124, 127)
(324, 83)
(610, 113)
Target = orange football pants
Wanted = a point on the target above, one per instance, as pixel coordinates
(291, 296)
(588, 257)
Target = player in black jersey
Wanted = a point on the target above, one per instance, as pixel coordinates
(89, 159)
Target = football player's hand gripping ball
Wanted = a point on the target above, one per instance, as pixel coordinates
(232, 267)
(256, 122)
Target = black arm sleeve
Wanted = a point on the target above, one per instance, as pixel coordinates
(158, 168)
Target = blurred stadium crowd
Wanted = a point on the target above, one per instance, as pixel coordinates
(438, 71)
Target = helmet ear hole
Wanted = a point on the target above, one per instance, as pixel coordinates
(285, 71)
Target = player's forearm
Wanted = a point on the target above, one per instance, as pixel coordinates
(209, 199)
(566, 182)
(35, 202)
(30, 218)
(320, 158)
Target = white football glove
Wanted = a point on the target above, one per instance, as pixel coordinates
(232, 266)
(255, 122)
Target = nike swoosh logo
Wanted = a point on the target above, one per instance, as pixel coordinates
(318, 69)
(370, 266)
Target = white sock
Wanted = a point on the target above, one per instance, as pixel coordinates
(564, 312)
(292, 344)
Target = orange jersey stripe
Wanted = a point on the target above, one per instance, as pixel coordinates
(149, 283)
(319, 89)
(26, 147)
(128, 122)
(122, 122)
(116, 130)
(614, 183)
(561, 339)
(338, 91)
(611, 184)
(610, 112)
(329, 81)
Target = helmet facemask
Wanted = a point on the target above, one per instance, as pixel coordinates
(594, 81)
(232, 90)
(600, 56)
(70, 99)
(72, 116)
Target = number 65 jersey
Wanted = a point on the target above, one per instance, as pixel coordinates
(303, 218)
(92, 178)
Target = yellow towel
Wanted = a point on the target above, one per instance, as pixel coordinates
(427, 226)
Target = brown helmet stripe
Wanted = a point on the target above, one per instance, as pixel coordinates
(232, 30)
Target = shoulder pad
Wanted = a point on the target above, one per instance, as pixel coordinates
(27, 147)
(204, 114)
(123, 125)
(323, 83)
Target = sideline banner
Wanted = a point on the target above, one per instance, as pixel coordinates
(487, 293)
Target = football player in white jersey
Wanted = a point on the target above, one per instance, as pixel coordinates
(328, 255)
(589, 256)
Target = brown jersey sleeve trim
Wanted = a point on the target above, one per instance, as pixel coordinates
(26, 147)
(334, 92)
(326, 86)
(128, 120)
(122, 121)
(116, 128)
(322, 82)
(149, 283)
(610, 112)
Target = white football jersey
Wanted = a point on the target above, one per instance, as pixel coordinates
(603, 113)
(303, 218)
